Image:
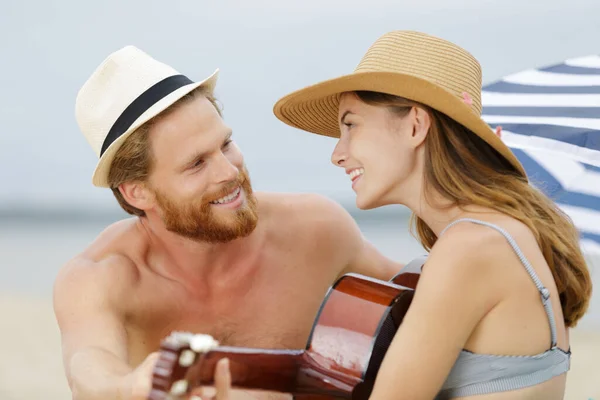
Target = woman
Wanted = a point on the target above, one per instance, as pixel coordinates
(505, 278)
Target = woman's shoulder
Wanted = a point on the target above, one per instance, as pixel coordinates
(482, 246)
(480, 235)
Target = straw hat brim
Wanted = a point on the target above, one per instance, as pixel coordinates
(315, 108)
(100, 176)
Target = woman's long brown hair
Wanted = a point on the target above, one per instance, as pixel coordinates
(463, 168)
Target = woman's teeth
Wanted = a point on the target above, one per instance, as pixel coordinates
(228, 198)
(356, 173)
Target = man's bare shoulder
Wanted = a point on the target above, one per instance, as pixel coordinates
(313, 216)
(320, 226)
(124, 237)
(108, 262)
(304, 208)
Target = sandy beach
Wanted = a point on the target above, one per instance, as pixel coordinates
(31, 366)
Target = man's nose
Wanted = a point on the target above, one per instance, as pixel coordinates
(226, 171)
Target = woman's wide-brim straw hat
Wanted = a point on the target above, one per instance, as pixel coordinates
(413, 65)
(128, 89)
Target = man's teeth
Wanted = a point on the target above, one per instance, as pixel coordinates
(229, 197)
(356, 172)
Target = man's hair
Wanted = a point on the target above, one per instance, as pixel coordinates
(134, 159)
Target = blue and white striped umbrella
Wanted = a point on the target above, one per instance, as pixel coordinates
(550, 118)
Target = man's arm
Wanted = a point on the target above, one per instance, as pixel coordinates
(367, 260)
(406, 275)
(92, 331)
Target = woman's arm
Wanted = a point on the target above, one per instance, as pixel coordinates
(453, 295)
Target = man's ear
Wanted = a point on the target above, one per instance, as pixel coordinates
(421, 125)
(137, 194)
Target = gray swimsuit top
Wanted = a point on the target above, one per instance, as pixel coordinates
(476, 374)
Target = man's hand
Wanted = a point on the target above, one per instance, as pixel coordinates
(138, 383)
(222, 389)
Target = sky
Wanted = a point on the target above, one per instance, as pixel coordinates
(264, 49)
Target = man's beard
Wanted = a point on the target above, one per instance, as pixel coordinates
(197, 220)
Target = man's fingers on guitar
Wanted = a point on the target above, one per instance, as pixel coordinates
(202, 393)
(222, 385)
(151, 360)
(223, 379)
(198, 393)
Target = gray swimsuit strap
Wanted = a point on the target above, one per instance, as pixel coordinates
(544, 292)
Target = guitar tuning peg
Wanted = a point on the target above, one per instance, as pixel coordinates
(187, 358)
(179, 387)
(202, 343)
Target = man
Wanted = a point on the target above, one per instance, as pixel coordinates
(203, 253)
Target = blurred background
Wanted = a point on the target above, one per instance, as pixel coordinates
(49, 210)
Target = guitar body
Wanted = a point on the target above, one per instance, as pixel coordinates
(354, 328)
(410, 273)
(352, 331)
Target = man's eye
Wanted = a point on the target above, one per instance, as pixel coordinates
(227, 143)
(198, 163)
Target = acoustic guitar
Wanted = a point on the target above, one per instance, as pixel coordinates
(353, 329)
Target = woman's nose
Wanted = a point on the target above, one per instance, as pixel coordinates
(339, 155)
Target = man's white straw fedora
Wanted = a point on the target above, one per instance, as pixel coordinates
(127, 90)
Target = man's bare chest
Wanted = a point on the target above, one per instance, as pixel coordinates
(274, 313)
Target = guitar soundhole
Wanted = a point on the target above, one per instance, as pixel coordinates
(384, 338)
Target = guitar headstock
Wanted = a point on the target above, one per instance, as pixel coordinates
(178, 353)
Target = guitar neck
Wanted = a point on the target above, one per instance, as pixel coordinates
(284, 371)
(272, 370)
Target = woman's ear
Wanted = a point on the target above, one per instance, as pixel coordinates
(137, 194)
(421, 124)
